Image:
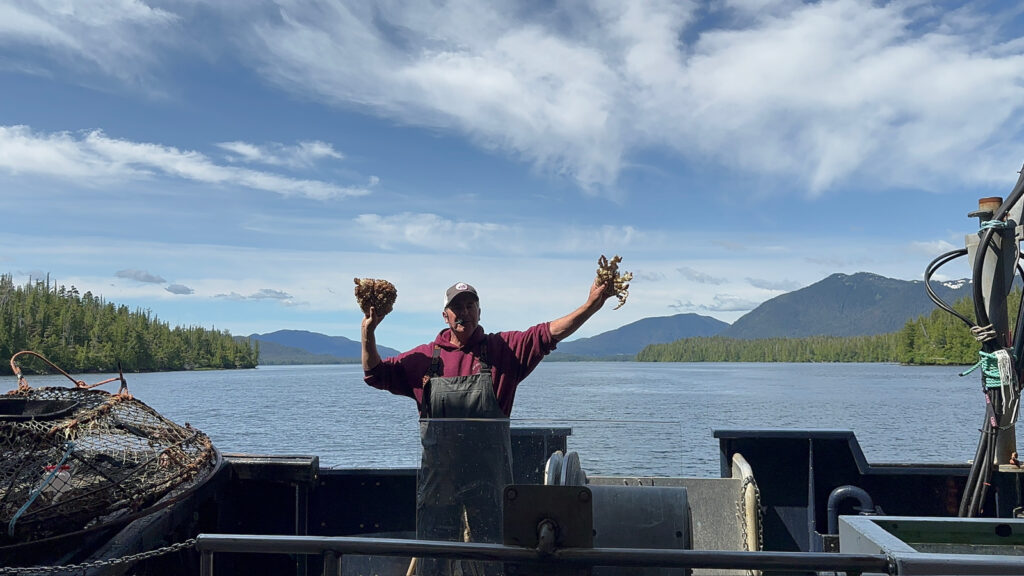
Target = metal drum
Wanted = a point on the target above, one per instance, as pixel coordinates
(656, 517)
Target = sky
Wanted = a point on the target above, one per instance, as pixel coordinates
(234, 165)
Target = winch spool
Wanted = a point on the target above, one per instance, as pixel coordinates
(655, 517)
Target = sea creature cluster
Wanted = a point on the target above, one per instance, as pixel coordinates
(380, 294)
(618, 282)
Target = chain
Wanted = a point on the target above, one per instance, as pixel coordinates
(760, 523)
(741, 514)
(100, 563)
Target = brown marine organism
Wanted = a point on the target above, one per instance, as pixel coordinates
(380, 294)
(618, 282)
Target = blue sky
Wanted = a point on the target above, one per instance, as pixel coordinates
(235, 164)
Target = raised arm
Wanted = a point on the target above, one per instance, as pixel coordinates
(566, 325)
(368, 337)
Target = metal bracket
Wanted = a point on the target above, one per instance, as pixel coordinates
(567, 509)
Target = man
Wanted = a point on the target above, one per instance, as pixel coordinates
(512, 355)
(464, 384)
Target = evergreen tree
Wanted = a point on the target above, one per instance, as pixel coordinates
(83, 333)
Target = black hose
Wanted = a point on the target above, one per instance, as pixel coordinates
(970, 487)
(931, 269)
(978, 494)
(1018, 341)
(994, 403)
(980, 476)
(979, 260)
(980, 311)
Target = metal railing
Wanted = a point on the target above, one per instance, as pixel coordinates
(333, 548)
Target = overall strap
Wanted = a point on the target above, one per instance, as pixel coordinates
(435, 365)
(435, 362)
(481, 355)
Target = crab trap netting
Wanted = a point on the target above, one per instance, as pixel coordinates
(73, 459)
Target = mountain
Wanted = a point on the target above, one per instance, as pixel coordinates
(631, 338)
(272, 353)
(304, 347)
(844, 305)
(840, 305)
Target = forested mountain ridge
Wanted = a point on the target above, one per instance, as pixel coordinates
(304, 347)
(936, 338)
(633, 337)
(860, 304)
(836, 317)
(844, 317)
(85, 333)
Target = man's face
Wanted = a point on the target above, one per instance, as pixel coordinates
(463, 314)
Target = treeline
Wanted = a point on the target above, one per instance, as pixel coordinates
(85, 333)
(881, 348)
(939, 338)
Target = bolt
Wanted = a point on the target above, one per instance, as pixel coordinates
(584, 495)
(511, 494)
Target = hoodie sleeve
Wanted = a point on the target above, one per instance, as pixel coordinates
(402, 374)
(524, 350)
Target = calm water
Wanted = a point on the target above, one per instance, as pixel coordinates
(627, 418)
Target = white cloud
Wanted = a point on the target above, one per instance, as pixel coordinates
(720, 303)
(933, 248)
(270, 294)
(140, 276)
(775, 285)
(230, 296)
(117, 37)
(261, 294)
(829, 94)
(699, 277)
(433, 232)
(825, 92)
(302, 155)
(836, 89)
(180, 289)
(427, 231)
(95, 157)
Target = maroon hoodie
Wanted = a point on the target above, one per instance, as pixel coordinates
(512, 356)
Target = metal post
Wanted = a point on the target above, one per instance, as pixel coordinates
(206, 563)
(332, 564)
(301, 525)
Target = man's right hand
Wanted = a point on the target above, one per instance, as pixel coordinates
(371, 320)
(370, 356)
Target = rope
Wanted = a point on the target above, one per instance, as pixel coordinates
(989, 365)
(998, 371)
(39, 489)
(998, 224)
(1009, 386)
(983, 333)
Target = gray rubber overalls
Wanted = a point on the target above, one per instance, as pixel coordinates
(465, 466)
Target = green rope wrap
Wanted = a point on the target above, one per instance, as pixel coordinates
(989, 365)
(998, 224)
